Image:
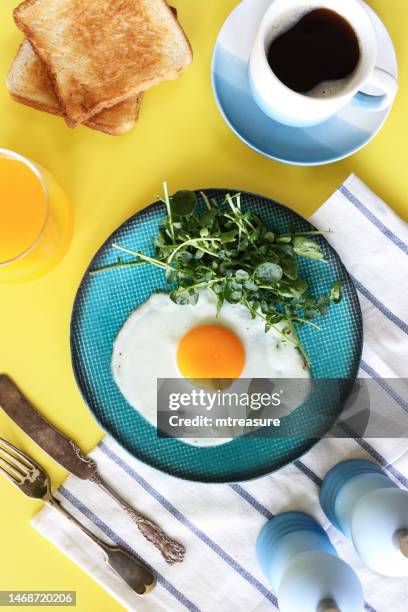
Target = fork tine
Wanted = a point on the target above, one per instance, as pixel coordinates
(9, 476)
(10, 472)
(17, 455)
(15, 462)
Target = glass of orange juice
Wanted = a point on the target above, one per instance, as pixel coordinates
(36, 219)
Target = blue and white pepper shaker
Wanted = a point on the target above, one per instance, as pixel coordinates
(368, 507)
(298, 558)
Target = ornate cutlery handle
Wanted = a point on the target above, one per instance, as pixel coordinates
(172, 551)
(136, 575)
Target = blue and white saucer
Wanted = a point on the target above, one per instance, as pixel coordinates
(342, 135)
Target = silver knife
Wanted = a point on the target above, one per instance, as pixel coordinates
(70, 456)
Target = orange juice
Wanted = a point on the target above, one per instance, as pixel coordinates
(35, 219)
(23, 208)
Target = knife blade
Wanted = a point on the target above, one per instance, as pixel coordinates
(48, 437)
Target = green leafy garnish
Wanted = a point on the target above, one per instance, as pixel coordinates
(305, 247)
(232, 253)
(183, 203)
(336, 293)
(268, 273)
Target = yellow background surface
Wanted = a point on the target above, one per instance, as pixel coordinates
(180, 138)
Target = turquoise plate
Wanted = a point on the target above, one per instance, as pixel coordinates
(105, 301)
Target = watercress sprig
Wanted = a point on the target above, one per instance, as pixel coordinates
(230, 252)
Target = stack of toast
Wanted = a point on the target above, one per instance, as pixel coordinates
(91, 60)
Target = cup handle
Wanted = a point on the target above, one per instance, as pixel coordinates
(382, 80)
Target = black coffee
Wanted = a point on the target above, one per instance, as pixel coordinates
(321, 47)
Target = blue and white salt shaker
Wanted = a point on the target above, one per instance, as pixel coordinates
(297, 557)
(368, 507)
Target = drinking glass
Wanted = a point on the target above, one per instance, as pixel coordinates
(36, 219)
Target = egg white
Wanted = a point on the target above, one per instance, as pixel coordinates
(145, 349)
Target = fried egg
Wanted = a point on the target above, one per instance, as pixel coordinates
(162, 340)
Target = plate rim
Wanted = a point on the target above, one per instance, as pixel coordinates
(75, 369)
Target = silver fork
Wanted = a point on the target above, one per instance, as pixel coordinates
(34, 481)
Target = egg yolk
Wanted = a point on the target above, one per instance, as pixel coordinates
(211, 351)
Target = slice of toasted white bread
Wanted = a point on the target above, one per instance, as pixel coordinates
(101, 52)
(28, 83)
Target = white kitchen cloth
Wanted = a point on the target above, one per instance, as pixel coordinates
(219, 523)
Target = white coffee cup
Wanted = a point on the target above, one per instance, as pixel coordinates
(291, 108)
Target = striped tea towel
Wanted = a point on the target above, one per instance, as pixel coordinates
(219, 523)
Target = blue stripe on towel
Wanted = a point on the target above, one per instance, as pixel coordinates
(375, 455)
(374, 220)
(187, 523)
(118, 540)
(252, 501)
(383, 383)
(308, 472)
(381, 307)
